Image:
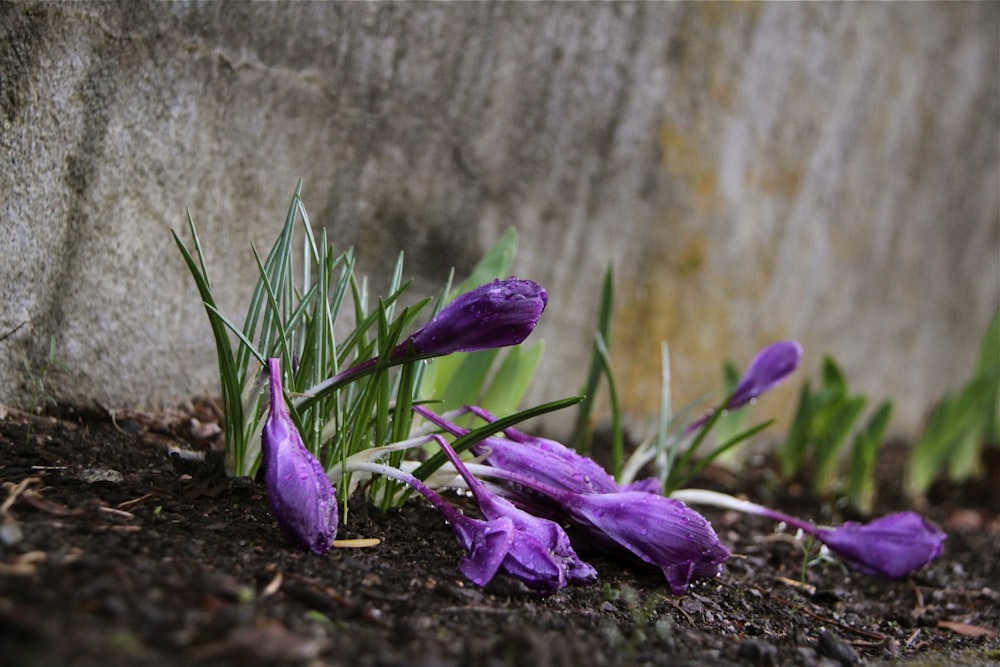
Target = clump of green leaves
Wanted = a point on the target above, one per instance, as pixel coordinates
(826, 419)
(962, 423)
(38, 380)
(38, 375)
(297, 313)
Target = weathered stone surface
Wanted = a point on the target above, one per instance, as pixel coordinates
(820, 171)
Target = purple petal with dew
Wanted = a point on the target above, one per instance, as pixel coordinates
(300, 495)
(547, 461)
(493, 315)
(487, 544)
(660, 531)
(542, 554)
(892, 546)
(766, 371)
(647, 485)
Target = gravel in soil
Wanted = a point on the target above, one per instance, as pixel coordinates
(123, 543)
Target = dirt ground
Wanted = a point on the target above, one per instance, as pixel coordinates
(117, 549)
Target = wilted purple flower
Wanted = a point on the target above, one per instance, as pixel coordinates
(546, 461)
(487, 544)
(493, 315)
(494, 544)
(767, 370)
(661, 531)
(299, 493)
(892, 546)
(658, 530)
(547, 533)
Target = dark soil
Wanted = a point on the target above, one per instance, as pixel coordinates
(115, 550)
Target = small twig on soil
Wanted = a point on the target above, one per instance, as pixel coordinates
(272, 586)
(920, 609)
(17, 491)
(116, 512)
(23, 565)
(877, 636)
(808, 588)
(316, 592)
(678, 607)
(128, 503)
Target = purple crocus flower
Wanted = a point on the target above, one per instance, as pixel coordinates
(299, 493)
(546, 461)
(661, 531)
(767, 370)
(493, 315)
(647, 485)
(496, 314)
(491, 545)
(548, 533)
(892, 546)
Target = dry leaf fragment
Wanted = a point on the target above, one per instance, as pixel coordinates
(358, 543)
(969, 630)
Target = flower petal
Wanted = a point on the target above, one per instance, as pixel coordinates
(494, 315)
(660, 531)
(541, 555)
(488, 543)
(892, 546)
(766, 371)
(300, 495)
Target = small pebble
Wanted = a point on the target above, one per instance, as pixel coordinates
(833, 647)
(757, 652)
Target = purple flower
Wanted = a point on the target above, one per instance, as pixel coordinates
(661, 531)
(299, 493)
(546, 461)
(658, 530)
(487, 544)
(892, 546)
(647, 485)
(543, 539)
(767, 370)
(495, 544)
(493, 315)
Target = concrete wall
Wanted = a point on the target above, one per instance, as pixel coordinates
(756, 171)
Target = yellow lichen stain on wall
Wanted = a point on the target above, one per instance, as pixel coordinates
(776, 178)
(684, 160)
(690, 257)
(673, 298)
